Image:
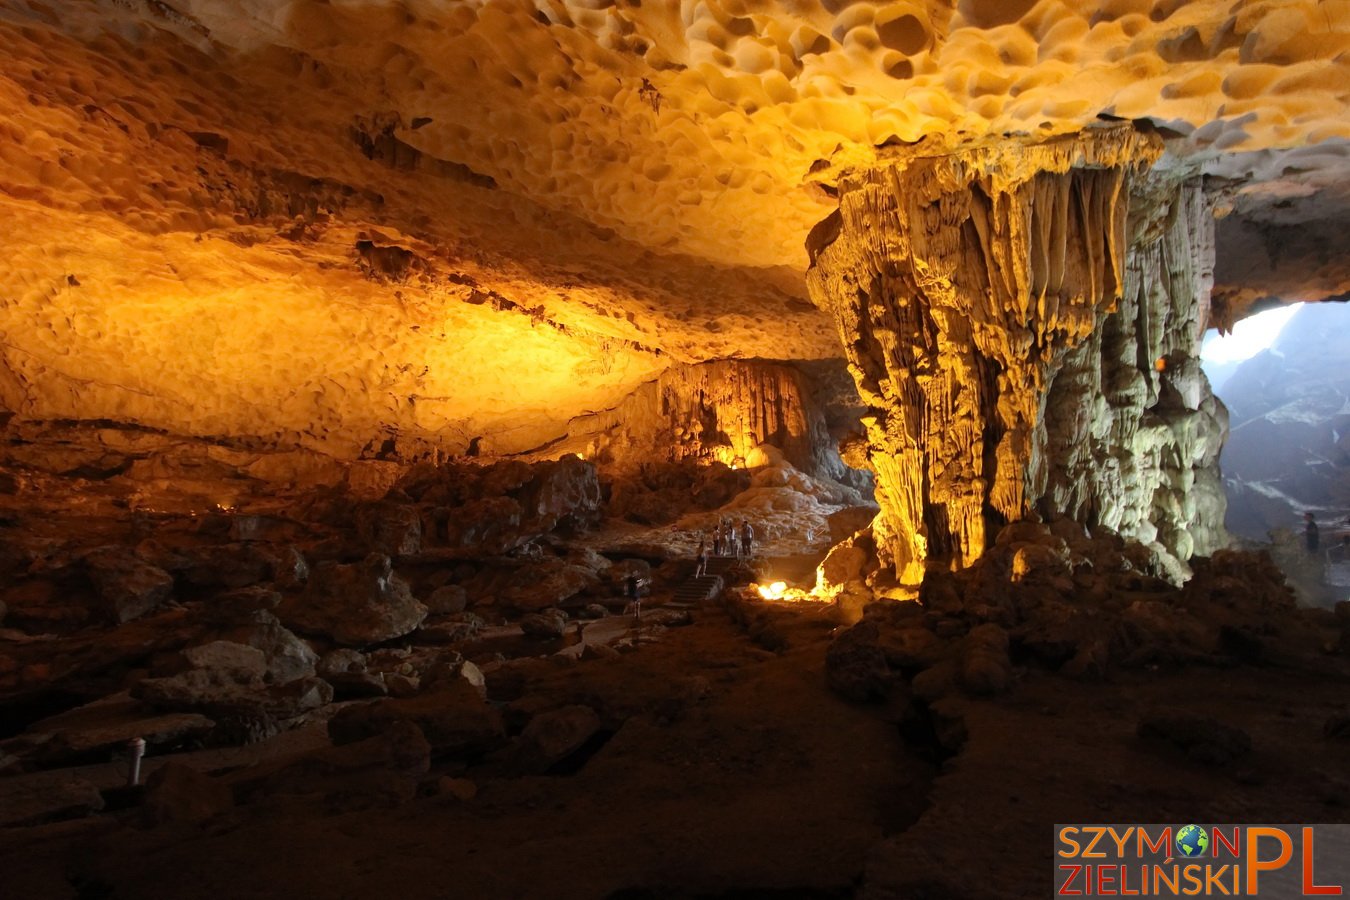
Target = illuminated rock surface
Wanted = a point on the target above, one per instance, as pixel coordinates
(1022, 324)
(349, 224)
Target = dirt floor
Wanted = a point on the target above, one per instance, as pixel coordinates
(725, 770)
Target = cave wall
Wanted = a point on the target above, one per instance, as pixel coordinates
(1003, 312)
(723, 411)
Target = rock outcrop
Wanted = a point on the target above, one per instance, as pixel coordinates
(1022, 321)
(355, 605)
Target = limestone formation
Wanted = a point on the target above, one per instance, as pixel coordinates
(719, 411)
(1022, 322)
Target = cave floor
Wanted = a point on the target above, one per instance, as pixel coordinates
(737, 773)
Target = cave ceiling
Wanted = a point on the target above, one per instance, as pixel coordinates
(328, 221)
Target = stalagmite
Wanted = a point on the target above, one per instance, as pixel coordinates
(1022, 320)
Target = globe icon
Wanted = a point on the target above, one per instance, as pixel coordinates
(1192, 841)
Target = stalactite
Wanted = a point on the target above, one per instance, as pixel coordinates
(975, 295)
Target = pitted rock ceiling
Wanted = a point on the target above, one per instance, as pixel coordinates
(336, 221)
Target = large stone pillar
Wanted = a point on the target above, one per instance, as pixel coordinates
(972, 292)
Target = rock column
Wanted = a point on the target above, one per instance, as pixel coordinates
(974, 294)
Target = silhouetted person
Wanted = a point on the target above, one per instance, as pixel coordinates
(1310, 532)
(717, 540)
(702, 567)
(747, 536)
(634, 599)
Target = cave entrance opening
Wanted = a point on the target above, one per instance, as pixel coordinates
(1284, 375)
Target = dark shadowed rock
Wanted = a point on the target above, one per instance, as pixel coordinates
(383, 769)
(455, 718)
(176, 794)
(51, 798)
(1204, 740)
(245, 662)
(394, 529)
(855, 665)
(128, 586)
(227, 565)
(340, 661)
(239, 606)
(244, 708)
(446, 600)
(288, 657)
(551, 623)
(291, 570)
(550, 737)
(546, 583)
(359, 604)
(985, 666)
(106, 726)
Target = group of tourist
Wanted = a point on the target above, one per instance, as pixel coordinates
(727, 540)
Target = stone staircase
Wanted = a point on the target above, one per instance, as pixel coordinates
(697, 591)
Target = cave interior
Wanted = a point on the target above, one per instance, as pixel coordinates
(720, 449)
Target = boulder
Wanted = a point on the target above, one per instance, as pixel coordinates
(546, 583)
(226, 565)
(383, 769)
(911, 645)
(245, 662)
(128, 586)
(291, 571)
(491, 525)
(92, 731)
(550, 737)
(239, 605)
(855, 665)
(455, 718)
(357, 685)
(394, 529)
(562, 493)
(400, 685)
(1202, 739)
(453, 668)
(176, 794)
(51, 798)
(340, 661)
(985, 665)
(288, 657)
(446, 600)
(244, 709)
(551, 623)
(359, 604)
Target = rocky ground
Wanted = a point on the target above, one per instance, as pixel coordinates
(424, 684)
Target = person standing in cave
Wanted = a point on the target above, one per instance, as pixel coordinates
(701, 568)
(1310, 532)
(747, 536)
(717, 540)
(634, 599)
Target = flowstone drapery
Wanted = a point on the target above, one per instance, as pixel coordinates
(1021, 320)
